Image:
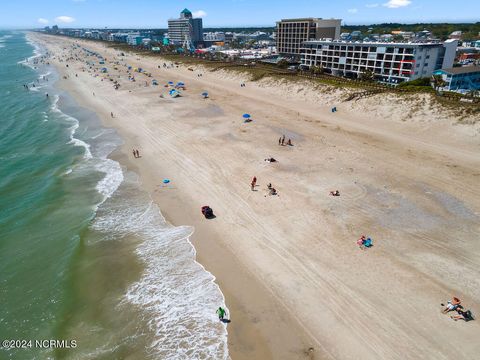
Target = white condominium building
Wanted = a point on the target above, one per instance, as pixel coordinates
(389, 62)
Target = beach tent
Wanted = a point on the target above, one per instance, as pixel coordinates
(174, 93)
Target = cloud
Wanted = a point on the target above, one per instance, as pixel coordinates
(199, 13)
(43, 21)
(371, 5)
(64, 19)
(393, 4)
(352, 11)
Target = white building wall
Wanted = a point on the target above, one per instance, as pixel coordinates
(391, 62)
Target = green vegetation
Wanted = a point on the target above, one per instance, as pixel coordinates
(441, 30)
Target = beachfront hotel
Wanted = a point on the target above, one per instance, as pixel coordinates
(291, 33)
(185, 30)
(389, 62)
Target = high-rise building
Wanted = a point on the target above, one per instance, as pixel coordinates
(185, 29)
(387, 61)
(291, 33)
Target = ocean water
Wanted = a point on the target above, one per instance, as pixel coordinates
(85, 255)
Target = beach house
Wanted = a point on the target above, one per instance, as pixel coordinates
(460, 79)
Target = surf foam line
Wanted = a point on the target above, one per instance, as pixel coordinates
(176, 295)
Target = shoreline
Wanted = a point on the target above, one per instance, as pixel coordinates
(246, 340)
(262, 252)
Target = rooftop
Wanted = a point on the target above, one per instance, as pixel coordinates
(306, 19)
(376, 43)
(462, 70)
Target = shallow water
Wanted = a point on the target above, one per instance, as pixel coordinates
(84, 253)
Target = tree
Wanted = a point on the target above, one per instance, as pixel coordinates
(438, 82)
(367, 75)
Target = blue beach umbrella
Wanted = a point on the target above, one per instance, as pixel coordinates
(170, 82)
(166, 181)
(205, 94)
(246, 116)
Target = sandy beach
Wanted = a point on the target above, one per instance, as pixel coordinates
(288, 265)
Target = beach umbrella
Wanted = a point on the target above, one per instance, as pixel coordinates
(166, 181)
(170, 83)
(180, 83)
(246, 116)
(205, 94)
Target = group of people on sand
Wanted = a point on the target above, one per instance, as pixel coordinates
(270, 188)
(136, 153)
(456, 305)
(281, 141)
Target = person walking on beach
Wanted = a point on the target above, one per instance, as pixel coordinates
(138, 153)
(254, 182)
(283, 140)
(111, 114)
(280, 140)
(134, 153)
(221, 313)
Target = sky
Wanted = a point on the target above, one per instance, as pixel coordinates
(228, 13)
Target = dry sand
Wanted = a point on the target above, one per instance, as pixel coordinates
(288, 265)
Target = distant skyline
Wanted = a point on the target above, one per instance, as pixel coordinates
(228, 13)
